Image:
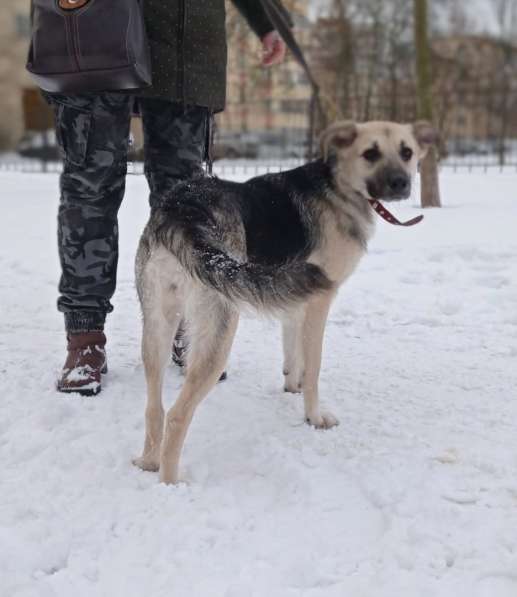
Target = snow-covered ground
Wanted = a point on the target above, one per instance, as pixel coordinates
(413, 495)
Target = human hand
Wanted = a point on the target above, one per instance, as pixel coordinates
(273, 49)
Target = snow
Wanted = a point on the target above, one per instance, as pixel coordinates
(414, 494)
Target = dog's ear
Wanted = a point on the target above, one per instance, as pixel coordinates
(425, 135)
(337, 136)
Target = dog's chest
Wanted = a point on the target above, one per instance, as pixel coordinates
(339, 252)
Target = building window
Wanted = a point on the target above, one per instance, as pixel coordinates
(23, 25)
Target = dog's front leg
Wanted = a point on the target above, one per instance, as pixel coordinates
(313, 332)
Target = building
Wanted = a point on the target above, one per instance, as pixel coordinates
(15, 84)
(270, 104)
(474, 87)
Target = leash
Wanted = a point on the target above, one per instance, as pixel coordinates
(279, 17)
(389, 217)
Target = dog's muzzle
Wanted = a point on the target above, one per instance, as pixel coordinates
(390, 185)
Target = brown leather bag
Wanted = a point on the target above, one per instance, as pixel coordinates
(82, 46)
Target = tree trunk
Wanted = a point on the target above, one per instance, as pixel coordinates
(430, 196)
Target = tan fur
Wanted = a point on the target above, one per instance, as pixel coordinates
(169, 294)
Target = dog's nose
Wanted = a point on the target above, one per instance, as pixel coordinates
(399, 184)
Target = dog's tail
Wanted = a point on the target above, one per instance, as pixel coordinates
(263, 286)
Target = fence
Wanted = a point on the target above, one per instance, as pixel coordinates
(478, 132)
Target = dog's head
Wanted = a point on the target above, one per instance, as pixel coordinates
(377, 159)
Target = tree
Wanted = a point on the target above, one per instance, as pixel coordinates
(364, 44)
(430, 194)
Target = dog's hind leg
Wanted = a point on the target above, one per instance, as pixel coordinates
(212, 323)
(313, 332)
(162, 310)
(292, 333)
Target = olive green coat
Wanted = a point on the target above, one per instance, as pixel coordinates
(188, 47)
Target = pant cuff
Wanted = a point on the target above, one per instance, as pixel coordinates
(84, 321)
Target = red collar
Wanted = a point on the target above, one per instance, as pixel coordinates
(389, 217)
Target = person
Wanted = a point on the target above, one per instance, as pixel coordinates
(188, 53)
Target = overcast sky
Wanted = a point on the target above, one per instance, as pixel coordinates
(481, 13)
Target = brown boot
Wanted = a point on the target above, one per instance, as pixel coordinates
(85, 361)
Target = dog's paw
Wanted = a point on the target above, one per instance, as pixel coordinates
(293, 388)
(322, 420)
(169, 477)
(147, 463)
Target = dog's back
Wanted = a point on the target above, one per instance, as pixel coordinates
(249, 241)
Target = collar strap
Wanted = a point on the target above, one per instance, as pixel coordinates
(389, 217)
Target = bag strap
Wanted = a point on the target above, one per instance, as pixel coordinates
(279, 19)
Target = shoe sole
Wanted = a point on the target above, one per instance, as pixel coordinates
(83, 391)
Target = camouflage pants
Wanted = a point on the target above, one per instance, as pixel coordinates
(93, 132)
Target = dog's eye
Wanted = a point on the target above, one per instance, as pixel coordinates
(406, 153)
(372, 155)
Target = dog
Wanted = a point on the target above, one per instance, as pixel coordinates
(281, 243)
